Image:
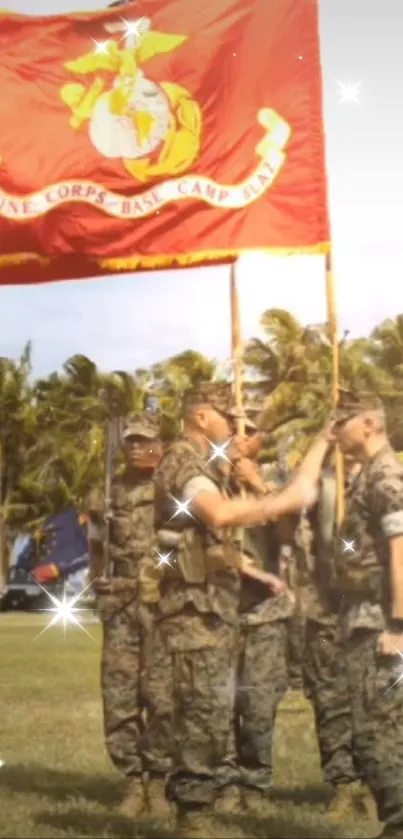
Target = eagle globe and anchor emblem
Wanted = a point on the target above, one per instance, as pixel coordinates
(155, 129)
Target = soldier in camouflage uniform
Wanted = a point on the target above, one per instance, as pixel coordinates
(262, 666)
(369, 559)
(325, 674)
(200, 597)
(136, 678)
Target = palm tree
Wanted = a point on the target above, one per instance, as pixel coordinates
(386, 344)
(18, 435)
(294, 366)
(171, 378)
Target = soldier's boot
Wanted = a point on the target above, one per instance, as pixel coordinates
(202, 824)
(134, 802)
(228, 801)
(343, 805)
(195, 824)
(257, 802)
(158, 805)
(392, 831)
(365, 803)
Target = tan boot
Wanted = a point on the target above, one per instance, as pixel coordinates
(257, 802)
(134, 802)
(195, 824)
(228, 801)
(158, 805)
(344, 803)
(365, 803)
(201, 824)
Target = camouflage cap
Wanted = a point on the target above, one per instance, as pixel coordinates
(351, 404)
(216, 394)
(142, 425)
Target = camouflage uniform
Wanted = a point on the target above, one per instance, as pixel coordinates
(262, 673)
(325, 674)
(374, 515)
(136, 678)
(198, 619)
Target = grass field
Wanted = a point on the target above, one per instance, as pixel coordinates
(56, 780)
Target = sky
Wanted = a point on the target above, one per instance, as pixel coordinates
(131, 321)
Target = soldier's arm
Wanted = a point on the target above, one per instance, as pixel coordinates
(312, 463)
(215, 511)
(387, 501)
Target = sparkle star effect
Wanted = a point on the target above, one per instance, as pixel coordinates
(135, 29)
(218, 452)
(65, 611)
(348, 546)
(101, 47)
(182, 508)
(164, 559)
(349, 92)
(399, 679)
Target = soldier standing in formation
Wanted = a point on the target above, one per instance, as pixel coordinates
(136, 679)
(199, 603)
(370, 569)
(262, 664)
(368, 555)
(324, 670)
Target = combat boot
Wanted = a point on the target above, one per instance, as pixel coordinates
(365, 803)
(158, 805)
(195, 824)
(257, 802)
(134, 802)
(343, 805)
(228, 801)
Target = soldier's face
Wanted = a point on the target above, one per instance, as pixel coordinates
(142, 453)
(351, 435)
(219, 428)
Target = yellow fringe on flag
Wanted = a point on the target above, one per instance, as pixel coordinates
(138, 262)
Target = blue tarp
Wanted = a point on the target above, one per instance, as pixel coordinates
(63, 543)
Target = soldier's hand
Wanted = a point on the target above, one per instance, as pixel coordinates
(390, 644)
(328, 433)
(246, 472)
(238, 448)
(102, 585)
(274, 584)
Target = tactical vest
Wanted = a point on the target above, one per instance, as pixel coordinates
(199, 551)
(132, 533)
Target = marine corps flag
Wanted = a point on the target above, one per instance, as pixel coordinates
(159, 134)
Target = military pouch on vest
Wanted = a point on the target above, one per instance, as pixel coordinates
(188, 555)
(360, 581)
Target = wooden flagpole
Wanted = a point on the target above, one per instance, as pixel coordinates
(334, 337)
(236, 348)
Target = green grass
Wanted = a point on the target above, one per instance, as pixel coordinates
(56, 780)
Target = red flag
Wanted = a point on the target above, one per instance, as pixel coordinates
(171, 133)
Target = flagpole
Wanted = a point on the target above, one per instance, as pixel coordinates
(333, 323)
(236, 347)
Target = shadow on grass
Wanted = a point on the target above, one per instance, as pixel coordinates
(96, 825)
(60, 785)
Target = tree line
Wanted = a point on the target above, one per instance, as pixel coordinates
(52, 430)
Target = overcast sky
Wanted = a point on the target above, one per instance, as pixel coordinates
(132, 320)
